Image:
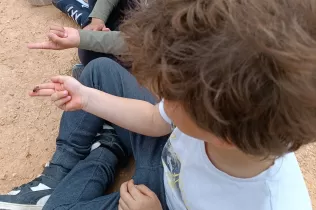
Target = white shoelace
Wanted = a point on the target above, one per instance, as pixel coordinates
(73, 13)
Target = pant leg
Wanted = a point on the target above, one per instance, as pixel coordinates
(108, 76)
(88, 180)
(84, 186)
(78, 129)
(146, 150)
(86, 56)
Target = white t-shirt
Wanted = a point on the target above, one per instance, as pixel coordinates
(192, 182)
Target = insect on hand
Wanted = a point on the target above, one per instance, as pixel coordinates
(36, 89)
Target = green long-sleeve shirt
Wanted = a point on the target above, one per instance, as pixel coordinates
(110, 42)
(99, 41)
(103, 9)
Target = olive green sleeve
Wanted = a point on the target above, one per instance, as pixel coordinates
(111, 42)
(103, 9)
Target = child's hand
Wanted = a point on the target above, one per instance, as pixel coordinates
(137, 197)
(60, 38)
(66, 93)
(96, 25)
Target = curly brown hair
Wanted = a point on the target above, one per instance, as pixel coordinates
(244, 70)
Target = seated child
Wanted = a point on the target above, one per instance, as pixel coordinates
(237, 79)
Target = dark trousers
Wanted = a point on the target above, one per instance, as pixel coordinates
(92, 173)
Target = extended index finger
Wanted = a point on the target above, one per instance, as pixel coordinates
(42, 92)
(41, 45)
(45, 89)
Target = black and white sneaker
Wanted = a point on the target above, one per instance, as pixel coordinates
(109, 139)
(78, 10)
(33, 195)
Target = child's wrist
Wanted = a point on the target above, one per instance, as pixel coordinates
(85, 97)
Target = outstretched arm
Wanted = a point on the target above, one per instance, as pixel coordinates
(60, 38)
(135, 115)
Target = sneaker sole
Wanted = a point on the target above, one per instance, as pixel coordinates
(13, 206)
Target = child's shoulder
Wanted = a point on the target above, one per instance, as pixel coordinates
(287, 187)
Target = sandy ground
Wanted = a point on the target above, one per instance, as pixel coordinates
(28, 127)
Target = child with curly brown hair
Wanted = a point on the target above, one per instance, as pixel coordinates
(236, 79)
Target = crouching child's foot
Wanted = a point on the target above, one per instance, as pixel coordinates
(34, 194)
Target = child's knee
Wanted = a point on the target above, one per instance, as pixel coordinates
(102, 66)
(104, 62)
(100, 71)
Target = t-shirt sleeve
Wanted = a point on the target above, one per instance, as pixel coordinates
(163, 113)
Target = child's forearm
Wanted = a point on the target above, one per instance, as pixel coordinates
(111, 42)
(134, 115)
(103, 9)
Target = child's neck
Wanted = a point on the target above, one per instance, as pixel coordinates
(236, 163)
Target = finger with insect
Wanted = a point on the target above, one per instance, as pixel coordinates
(45, 89)
(37, 88)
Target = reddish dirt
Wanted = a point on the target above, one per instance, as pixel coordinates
(28, 127)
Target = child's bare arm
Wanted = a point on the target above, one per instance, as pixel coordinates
(135, 115)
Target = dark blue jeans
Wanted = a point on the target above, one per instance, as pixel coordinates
(84, 186)
(112, 23)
